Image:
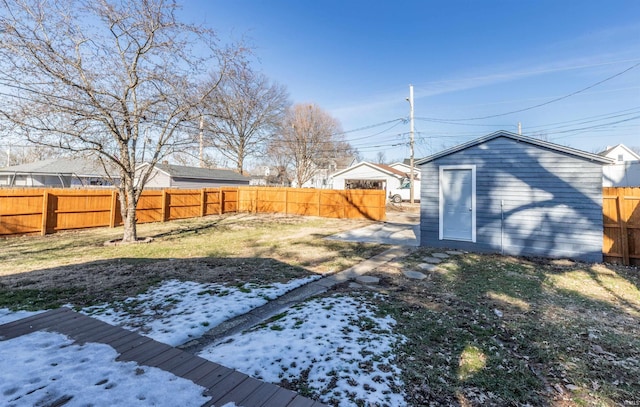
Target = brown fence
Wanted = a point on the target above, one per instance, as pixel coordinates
(25, 211)
(621, 216)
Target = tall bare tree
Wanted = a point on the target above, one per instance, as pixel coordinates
(120, 79)
(309, 138)
(242, 113)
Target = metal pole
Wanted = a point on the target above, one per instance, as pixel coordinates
(411, 176)
(201, 142)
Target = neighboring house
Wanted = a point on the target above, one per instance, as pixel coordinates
(57, 172)
(620, 154)
(405, 168)
(625, 171)
(322, 177)
(178, 176)
(514, 195)
(366, 175)
(270, 176)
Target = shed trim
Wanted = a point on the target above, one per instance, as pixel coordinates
(520, 138)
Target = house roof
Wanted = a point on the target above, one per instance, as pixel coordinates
(622, 146)
(376, 167)
(60, 166)
(180, 171)
(524, 139)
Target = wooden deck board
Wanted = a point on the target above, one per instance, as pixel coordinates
(240, 392)
(224, 385)
(145, 351)
(32, 324)
(259, 395)
(182, 370)
(199, 372)
(282, 397)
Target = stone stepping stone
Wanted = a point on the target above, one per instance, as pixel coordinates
(367, 280)
(414, 275)
(455, 252)
(427, 266)
(440, 255)
(432, 260)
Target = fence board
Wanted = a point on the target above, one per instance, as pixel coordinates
(621, 218)
(28, 211)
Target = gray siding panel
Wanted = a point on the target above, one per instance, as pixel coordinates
(552, 201)
(191, 183)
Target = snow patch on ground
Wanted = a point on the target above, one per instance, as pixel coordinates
(6, 315)
(338, 343)
(44, 368)
(178, 311)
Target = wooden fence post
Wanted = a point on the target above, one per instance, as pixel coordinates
(45, 212)
(203, 202)
(286, 201)
(164, 205)
(319, 199)
(622, 223)
(255, 200)
(221, 194)
(114, 206)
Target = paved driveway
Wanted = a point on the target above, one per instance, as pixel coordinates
(401, 231)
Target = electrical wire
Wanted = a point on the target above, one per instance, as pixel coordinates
(547, 102)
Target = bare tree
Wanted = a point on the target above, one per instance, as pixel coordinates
(381, 157)
(277, 156)
(243, 112)
(118, 79)
(309, 138)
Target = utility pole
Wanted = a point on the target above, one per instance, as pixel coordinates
(201, 142)
(411, 142)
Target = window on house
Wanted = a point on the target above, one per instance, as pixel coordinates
(620, 157)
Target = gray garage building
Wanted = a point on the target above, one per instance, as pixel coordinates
(515, 195)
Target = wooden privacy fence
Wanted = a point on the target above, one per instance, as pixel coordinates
(621, 217)
(27, 211)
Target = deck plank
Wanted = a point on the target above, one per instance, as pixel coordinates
(18, 328)
(227, 384)
(183, 369)
(262, 393)
(224, 385)
(144, 351)
(281, 397)
(300, 401)
(195, 375)
(240, 392)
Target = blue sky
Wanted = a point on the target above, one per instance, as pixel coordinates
(465, 59)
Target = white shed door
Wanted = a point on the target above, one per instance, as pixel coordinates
(457, 203)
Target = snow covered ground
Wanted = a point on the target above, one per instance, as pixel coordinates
(178, 311)
(45, 368)
(337, 344)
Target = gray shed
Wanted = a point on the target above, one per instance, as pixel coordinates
(179, 176)
(515, 195)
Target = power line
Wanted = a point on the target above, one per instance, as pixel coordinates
(544, 103)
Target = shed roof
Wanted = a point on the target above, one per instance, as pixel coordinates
(60, 166)
(376, 167)
(520, 138)
(180, 171)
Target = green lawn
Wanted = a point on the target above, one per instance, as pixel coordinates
(480, 329)
(492, 330)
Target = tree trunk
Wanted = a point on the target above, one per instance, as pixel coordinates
(130, 234)
(128, 204)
